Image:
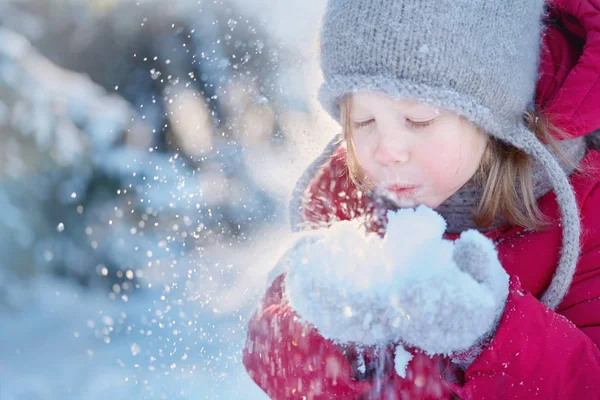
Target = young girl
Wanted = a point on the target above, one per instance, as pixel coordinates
(436, 103)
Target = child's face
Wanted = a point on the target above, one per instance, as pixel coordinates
(414, 153)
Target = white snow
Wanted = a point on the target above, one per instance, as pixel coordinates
(359, 288)
(401, 360)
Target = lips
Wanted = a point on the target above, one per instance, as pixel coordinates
(402, 190)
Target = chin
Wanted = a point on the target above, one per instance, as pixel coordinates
(406, 203)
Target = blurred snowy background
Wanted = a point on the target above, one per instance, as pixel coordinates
(148, 152)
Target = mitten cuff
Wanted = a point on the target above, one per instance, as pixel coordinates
(463, 359)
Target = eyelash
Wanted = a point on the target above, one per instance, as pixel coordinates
(415, 125)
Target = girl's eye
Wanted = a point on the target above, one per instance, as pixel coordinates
(363, 124)
(413, 124)
(420, 124)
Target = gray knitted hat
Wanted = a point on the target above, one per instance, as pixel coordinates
(478, 58)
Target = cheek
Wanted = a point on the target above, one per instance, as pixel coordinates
(449, 164)
(439, 164)
(442, 158)
(363, 148)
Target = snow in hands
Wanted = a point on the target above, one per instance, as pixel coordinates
(412, 287)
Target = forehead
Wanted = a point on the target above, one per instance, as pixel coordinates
(369, 100)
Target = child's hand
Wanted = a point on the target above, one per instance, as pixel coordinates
(413, 286)
(449, 315)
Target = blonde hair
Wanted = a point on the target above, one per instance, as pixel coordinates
(501, 166)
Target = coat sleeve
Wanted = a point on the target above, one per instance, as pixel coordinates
(568, 89)
(540, 353)
(289, 359)
(582, 303)
(535, 354)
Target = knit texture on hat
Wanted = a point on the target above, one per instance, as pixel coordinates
(478, 58)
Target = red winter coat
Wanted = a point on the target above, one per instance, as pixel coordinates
(568, 90)
(536, 352)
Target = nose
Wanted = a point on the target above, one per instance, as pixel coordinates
(392, 148)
